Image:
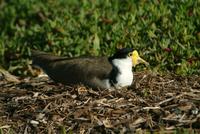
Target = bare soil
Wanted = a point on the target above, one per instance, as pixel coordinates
(153, 103)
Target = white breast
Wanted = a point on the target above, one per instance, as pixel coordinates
(125, 76)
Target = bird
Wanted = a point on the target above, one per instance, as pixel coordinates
(95, 72)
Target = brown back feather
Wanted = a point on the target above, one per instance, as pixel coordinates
(72, 70)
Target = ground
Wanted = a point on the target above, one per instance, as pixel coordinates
(155, 102)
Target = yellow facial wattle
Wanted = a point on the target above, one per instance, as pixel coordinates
(137, 60)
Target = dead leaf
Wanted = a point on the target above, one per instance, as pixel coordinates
(107, 123)
(6, 75)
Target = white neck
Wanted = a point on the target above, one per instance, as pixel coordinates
(125, 75)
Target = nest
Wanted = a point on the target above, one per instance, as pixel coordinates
(153, 103)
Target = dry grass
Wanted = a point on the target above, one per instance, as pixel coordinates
(154, 103)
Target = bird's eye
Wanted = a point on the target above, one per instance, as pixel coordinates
(130, 54)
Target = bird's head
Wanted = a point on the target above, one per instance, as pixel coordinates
(136, 59)
(130, 54)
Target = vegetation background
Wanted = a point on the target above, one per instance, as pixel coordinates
(165, 32)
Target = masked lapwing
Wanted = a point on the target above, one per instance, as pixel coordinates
(95, 72)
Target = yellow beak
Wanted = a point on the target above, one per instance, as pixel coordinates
(136, 59)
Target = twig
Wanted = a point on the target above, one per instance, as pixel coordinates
(170, 99)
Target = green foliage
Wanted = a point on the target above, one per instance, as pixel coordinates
(166, 33)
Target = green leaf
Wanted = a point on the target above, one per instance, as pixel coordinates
(96, 44)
